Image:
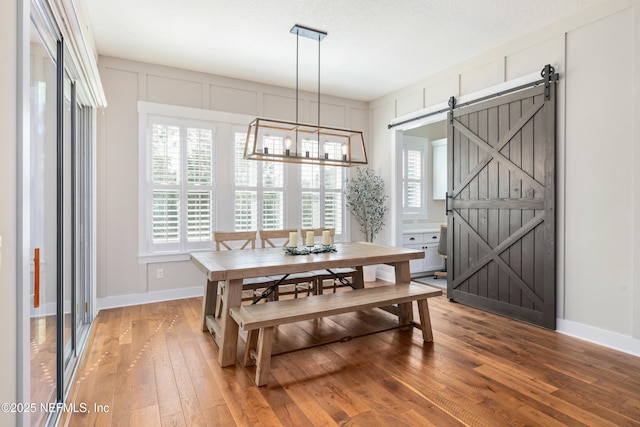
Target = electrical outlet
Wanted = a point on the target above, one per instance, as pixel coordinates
(160, 273)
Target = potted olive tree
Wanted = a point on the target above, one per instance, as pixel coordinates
(366, 202)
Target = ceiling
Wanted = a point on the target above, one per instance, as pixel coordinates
(373, 47)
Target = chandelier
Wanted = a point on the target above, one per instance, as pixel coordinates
(294, 142)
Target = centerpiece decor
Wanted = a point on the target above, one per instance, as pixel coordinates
(310, 250)
(310, 246)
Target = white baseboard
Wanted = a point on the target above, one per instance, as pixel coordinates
(612, 340)
(149, 297)
(48, 309)
(387, 273)
(615, 341)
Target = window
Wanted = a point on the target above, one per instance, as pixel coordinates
(179, 184)
(258, 184)
(260, 199)
(321, 195)
(194, 180)
(413, 185)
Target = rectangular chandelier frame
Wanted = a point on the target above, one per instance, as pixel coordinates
(295, 142)
(304, 144)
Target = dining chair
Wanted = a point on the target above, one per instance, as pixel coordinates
(298, 282)
(345, 273)
(240, 240)
(442, 251)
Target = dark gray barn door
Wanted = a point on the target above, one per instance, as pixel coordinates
(501, 211)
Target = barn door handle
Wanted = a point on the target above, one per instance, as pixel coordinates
(446, 203)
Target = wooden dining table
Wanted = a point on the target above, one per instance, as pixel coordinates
(232, 267)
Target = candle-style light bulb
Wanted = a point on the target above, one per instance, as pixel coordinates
(325, 148)
(305, 147)
(344, 151)
(265, 140)
(287, 145)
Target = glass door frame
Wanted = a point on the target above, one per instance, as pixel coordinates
(75, 192)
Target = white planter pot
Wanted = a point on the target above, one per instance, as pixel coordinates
(369, 273)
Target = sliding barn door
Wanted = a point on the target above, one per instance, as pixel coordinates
(500, 205)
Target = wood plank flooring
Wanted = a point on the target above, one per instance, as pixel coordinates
(150, 365)
(42, 360)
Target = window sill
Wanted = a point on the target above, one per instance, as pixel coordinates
(163, 257)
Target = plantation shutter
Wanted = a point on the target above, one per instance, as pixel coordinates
(165, 180)
(251, 192)
(413, 167)
(246, 182)
(310, 183)
(180, 188)
(199, 200)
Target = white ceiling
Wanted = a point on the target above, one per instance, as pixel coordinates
(373, 47)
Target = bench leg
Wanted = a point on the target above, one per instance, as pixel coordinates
(252, 341)
(231, 297)
(425, 320)
(263, 362)
(405, 315)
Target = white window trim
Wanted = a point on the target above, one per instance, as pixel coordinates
(146, 109)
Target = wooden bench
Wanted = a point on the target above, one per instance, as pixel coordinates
(261, 319)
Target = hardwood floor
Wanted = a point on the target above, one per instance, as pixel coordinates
(150, 365)
(42, 360)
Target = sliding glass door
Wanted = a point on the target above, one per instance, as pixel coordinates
(43, 225)
(60, 222)
(83, 210)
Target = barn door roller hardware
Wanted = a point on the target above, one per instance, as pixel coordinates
(549, 75)
(452, 105)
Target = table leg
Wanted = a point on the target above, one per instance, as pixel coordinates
(232, 297)
(403, 272)
(358, 278)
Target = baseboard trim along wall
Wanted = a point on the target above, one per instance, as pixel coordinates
(615, 341)
(148, 297)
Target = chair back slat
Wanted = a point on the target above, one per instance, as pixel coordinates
(267, 237)
(223, 238)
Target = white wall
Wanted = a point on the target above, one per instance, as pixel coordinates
(598, 157)
(121, 279)
(599, 175)
(8, 277)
